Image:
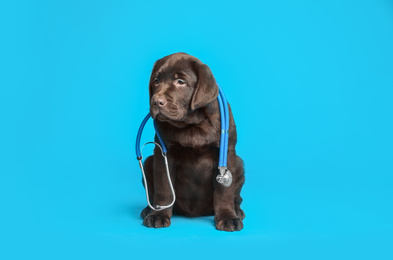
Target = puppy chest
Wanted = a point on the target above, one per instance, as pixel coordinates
(195, 173)
(194, 189)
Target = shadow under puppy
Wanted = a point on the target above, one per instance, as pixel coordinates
(183, 101)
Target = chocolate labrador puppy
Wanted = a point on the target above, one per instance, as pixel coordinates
(183, 101)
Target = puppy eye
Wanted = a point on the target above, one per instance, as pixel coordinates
(180, 82)
(156, 81)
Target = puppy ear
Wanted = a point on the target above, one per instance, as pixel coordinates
(206, 90)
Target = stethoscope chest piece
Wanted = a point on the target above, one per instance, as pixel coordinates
(224, 177)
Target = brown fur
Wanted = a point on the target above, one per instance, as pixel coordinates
(183, 100)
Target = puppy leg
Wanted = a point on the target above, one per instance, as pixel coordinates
(161, 196)
(228, 215)
(239, 184)
(148, 165)
(238, 210)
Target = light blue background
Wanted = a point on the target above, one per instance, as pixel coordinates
(311, 87)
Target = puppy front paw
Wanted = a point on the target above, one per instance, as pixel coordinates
(229, 223)
(146, 211)
(156, 220)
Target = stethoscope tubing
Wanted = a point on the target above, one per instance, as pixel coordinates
(224, 118)
(223, 156)
(138, 137)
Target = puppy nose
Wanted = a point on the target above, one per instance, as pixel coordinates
(159, 101)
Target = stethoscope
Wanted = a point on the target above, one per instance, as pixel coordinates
(224, 177)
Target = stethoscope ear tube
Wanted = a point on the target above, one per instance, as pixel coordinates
(157, 207)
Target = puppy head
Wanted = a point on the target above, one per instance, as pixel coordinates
(180, 84)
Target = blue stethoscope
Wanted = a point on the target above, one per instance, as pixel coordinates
(224, 177)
